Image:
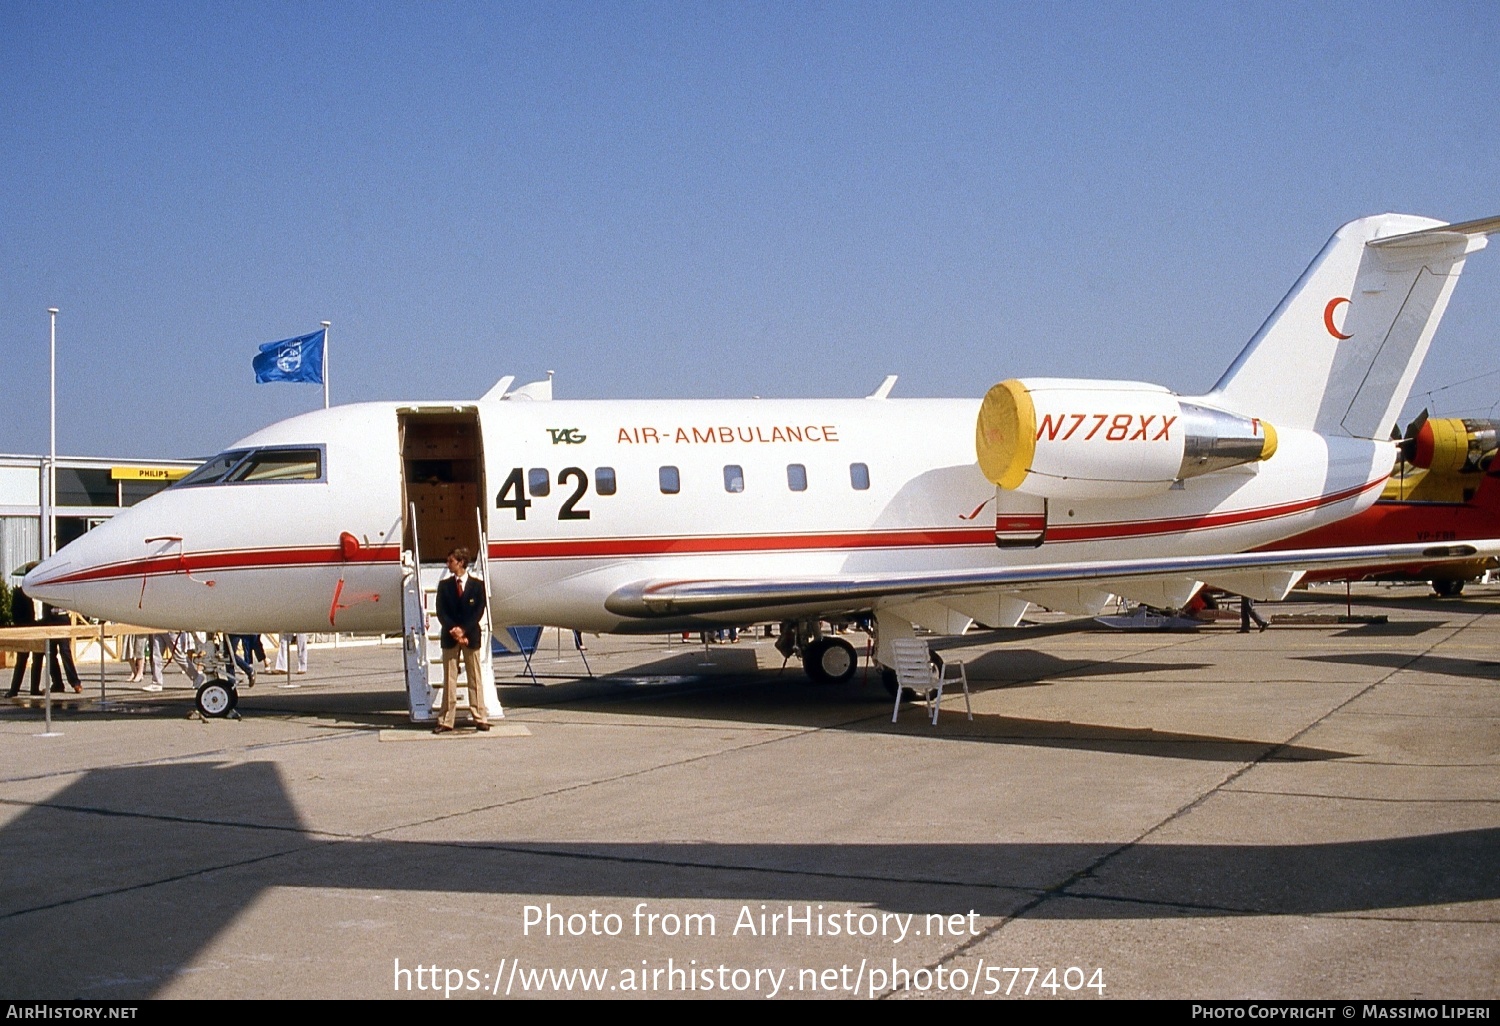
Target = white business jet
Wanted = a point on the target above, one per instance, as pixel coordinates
(650, 516)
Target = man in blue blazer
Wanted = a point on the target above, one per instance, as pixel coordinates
(460, 606)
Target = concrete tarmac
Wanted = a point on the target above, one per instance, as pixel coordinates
(1309, 812)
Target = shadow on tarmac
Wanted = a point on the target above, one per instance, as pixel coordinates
(206, 840)
(1445, 665)
(1365, 600)
(664, 688)
(732, 689)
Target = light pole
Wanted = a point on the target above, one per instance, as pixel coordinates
(49, 540)
(49, 525)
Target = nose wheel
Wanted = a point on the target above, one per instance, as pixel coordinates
(217, 698)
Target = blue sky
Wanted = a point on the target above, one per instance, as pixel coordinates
(701, 200)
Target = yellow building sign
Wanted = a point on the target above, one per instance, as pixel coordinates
(148, 473)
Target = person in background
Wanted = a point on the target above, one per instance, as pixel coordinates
(60, 648)
(157, 647)
(282, 653)
(249, 645)
(23, 614)
(184, 645)
(243, 649)
(1248, 613)
(133, 648)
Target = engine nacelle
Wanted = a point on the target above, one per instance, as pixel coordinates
(1452, 445)
(1073, 439)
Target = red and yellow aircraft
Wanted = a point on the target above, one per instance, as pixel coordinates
(1444, 489)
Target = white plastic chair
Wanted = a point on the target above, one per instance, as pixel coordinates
(914, 671)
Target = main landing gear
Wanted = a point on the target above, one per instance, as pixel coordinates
(830, 660)
(826, 660)
(217, 698)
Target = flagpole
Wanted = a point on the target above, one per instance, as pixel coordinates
(326, 326)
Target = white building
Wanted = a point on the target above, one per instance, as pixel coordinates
(89, 491)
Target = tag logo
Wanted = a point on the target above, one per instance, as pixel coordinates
(566, 436)
(289, 358)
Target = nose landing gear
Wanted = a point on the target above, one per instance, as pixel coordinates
(216, 699)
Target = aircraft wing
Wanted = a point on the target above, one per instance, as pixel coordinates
(668, 598)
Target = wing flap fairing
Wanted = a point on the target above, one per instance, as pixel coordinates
(651, 599)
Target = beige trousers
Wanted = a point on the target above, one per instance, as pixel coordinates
(471, 678)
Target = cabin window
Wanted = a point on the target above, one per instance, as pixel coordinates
(859, 476)
(734, 478)
(796, 477)
(538, 483)
(604, 481)
(671, 483)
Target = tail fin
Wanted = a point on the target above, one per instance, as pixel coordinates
(1389, 278)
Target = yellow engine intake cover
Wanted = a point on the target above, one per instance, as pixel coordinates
(1005, 436)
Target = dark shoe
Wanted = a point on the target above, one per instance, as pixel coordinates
(13, 692)
(36, 691)
(57, 689)
(440, 729)
(1244, 630)
(1265, 625)
(481, 726)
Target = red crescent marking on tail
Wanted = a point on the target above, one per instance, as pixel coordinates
(1333, 304)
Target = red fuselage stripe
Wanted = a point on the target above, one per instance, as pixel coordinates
(567, 547)
(230, 559)
(1202, 521)
(581, 548)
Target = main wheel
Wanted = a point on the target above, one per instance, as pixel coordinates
(889, 681)
(217, 698)
(830, 660)
(1447, 589)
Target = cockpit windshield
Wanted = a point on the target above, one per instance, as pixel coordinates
(214, 469)
(257, 466)
(279, 465)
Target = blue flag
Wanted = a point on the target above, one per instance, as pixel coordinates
(292, 359)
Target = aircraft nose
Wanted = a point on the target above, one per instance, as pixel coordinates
(39, 581)
(63, 579)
